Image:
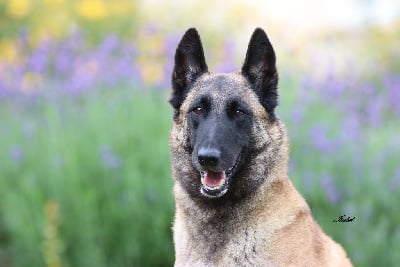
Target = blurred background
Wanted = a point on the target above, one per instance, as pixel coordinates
(84, 121)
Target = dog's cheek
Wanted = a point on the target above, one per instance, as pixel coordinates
(183, 135)
(260, 134)
(191, 133)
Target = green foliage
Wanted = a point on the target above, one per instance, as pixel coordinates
(103, 159)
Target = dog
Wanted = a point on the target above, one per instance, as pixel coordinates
(235, 205)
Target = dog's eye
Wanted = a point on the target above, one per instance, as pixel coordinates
(198, 110)
(239, 113)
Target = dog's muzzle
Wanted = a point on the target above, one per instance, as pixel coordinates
(215, 184)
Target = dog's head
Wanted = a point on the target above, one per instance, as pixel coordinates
(225, 135)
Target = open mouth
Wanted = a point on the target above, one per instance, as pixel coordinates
(216, 184)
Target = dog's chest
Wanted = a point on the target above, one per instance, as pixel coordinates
(247, 247)
(240, 246)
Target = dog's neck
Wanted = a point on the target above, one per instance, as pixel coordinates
(209, 230)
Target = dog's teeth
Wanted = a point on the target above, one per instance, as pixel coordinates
(213, 180)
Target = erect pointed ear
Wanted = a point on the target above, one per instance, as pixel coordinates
(189, 65)
(259, 68)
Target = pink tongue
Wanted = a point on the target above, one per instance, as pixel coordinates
(214, 179)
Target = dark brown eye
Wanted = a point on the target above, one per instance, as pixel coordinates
(239, 113)
(198, 110)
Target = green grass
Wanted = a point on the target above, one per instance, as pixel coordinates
(86, 181)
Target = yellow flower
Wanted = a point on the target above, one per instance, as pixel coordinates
(8, 50)
(122, 7)
(52, 244)
(54, 2)
(18, 8)
(53, 25)
(92, 9)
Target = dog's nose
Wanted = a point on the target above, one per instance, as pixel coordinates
(209, 157)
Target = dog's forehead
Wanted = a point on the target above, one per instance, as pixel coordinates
(219, 85)
(221, 88)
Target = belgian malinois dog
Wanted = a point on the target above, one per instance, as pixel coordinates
(235, 205)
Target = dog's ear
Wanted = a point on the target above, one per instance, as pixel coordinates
(190, 63)
(259, 68)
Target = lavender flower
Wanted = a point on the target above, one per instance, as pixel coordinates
(331, 192)
(38, 61)
(318, 135)
(351, 127)
(375, 110)
(228, 64)
(63, 62)
(16, 153)
(108, 158)
(391, 83)
(334, 87)
(297, 115)
(170, 44)
(394, 182)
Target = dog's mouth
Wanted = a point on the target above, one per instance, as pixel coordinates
(215, 184)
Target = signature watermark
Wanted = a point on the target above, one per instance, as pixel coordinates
(344, 219)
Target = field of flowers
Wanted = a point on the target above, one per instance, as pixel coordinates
(84, 159)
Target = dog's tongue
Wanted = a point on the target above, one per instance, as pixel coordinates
(214, 179)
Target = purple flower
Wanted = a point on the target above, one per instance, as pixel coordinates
(318, 135)
(367, 90)
(39, 57)
(63, 62)
(109, 46)
(16, 153)
(151, 29)
(170, 44)
(330, 190)
(334, 87)
(121, 67)
(108, 158)
(351, 127)
(297, 114)
(228, 64)
(307, 86)
(375, 110)
(391, 84)
(394, 182)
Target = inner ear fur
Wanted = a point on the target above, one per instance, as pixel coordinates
(260, 69)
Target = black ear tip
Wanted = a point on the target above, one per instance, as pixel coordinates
(191, 30)
(259, 33)
(191, 33)
(259, 30)
(190, 39)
